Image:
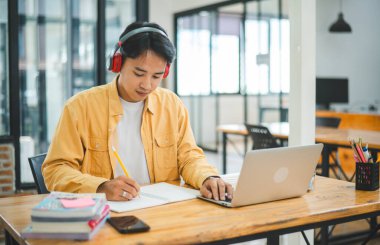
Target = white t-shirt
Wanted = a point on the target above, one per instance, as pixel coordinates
(131, 148)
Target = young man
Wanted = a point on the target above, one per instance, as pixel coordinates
(149, 127)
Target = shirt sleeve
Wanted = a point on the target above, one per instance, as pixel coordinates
(193, 165)
(62, 168)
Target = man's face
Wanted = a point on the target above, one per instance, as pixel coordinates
(140, 76)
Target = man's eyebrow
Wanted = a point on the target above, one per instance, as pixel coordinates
(142, 70)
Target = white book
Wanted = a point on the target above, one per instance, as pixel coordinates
(154, 195)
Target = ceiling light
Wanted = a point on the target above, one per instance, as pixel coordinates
(340, 25)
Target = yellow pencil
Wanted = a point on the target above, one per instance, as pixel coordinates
(122, 164)
(120, 161)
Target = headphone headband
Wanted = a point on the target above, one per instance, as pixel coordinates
(140, 30)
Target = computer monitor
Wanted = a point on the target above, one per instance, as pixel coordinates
(331, 90)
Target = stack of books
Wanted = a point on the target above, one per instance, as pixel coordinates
(68, 216)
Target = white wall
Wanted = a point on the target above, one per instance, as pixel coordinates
(354, 55)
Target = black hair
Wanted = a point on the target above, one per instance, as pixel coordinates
(141, 42)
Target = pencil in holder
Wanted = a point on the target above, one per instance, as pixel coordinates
(367, 176)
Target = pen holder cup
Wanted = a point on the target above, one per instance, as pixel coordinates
(367, 176)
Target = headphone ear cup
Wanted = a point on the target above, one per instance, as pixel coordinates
(166, 73)
(116, 62)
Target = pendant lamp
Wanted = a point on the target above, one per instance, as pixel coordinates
(340, 25)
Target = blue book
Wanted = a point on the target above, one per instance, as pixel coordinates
(49, 225)
(52, 207)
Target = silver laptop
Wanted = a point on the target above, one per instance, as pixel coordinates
(273, 174)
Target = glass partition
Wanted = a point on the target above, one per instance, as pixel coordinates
(83, 43)
(119, 14)
(193, 54)
(238, 48)
(57, 59)
(267, 48)
(208, 47)
(43, 73)
(233, 51)
(4, 77)
(267, 57)
(226, 48)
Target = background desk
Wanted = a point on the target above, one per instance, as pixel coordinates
(350, 120)
(367, 121)
(197, 221)
(330, 137)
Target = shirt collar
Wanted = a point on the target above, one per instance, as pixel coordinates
(115, 107)
(149, 103)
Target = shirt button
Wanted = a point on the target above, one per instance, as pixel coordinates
(97, 145)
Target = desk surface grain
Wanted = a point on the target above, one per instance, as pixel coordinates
(198, 221)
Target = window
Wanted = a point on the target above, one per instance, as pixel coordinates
(57, 59)
(119, 14)
(193, 55)
(4, 78)
(225, 54)
(207, 57)
(214, 56)
(267, 56)
(83, 43)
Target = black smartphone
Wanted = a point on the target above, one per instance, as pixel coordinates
(128, 224)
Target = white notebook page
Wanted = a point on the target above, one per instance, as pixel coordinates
(154, 195)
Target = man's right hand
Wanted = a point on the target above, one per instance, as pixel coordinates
(121, 188)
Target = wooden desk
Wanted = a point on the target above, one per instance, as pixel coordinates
(196, 221)
(330, 137)
(367, 121)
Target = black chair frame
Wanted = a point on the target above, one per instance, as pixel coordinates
(35, 165)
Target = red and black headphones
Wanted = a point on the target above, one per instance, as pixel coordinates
(116, 60)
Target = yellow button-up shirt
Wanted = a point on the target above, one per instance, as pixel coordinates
(80, 156)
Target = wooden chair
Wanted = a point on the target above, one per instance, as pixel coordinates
(35, 165)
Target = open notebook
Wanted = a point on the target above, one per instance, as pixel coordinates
(154, 195)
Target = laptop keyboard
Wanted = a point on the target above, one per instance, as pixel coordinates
(232, 179)
(227, 199)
